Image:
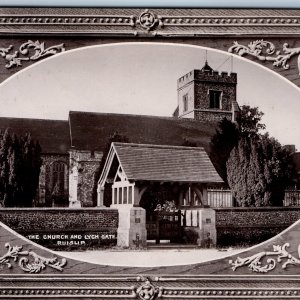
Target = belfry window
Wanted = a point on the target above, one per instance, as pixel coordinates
(215, 99)
(185, 102)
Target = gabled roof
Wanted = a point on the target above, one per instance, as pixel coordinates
(142, 162)
(53, 135)
(91, 131)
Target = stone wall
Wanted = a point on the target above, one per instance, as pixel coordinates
(64, 228)
(83, 165)
(186, 91)
(249, 226)
(217, 115)
(85, 189)
(202, 95)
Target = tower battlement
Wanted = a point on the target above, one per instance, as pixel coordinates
(203, 75)
(207, 95)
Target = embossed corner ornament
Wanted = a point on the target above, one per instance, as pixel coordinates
(29, 261)
(39, 51)
(148, 20)
(255, 264)
(266, 51)
(146, 291)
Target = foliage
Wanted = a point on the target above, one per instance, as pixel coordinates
(249, 120)
(225, 138)
(157, 195)
(228, 134)
(255, 166)
(20, 162)
(167, 206)
(115, 137)
(258, 170)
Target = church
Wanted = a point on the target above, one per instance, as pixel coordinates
(72, 150)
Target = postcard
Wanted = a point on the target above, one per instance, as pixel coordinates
(149, 153)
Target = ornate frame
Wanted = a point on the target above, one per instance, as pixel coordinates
(266, 36)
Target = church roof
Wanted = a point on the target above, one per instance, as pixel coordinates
(53, 135)
(142, 162)
(91, 131)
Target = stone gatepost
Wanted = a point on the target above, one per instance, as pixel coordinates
(207, 228)
(132, 226)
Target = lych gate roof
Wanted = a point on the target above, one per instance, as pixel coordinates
(142, 162)
(91, 131)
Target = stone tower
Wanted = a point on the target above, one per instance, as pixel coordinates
(207, 95)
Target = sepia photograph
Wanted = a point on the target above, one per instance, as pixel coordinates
(133, 158)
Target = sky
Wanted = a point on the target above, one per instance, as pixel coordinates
(141, 78)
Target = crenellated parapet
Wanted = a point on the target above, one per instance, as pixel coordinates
(207, 76)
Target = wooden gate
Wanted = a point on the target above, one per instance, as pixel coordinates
(164, 226)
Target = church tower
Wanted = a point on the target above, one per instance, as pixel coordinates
(206, 95)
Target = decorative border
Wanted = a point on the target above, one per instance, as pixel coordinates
(255, 264)
(171, 22)
(37, 263)
(161, 20)
(40, 51)
(256, 49)
(151, 288)
(110, 23)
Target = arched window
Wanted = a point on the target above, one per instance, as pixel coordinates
(58, 177)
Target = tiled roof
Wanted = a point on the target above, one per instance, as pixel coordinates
(166, 163)
(53, 135)
(91, 131)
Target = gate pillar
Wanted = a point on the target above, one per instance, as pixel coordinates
(207, 228)
(132, 227)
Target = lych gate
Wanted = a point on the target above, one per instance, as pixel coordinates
(131, 171)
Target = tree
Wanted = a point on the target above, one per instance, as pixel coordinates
(20, 163)
(115, 137)
(228, 134)
(225, 138)
(258, 170)
(249, 120)
(255, 166)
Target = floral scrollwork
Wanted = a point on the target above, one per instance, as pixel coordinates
(39, 51)
(266, 51)
(29, 261)
(255, 264)
(146, 291)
